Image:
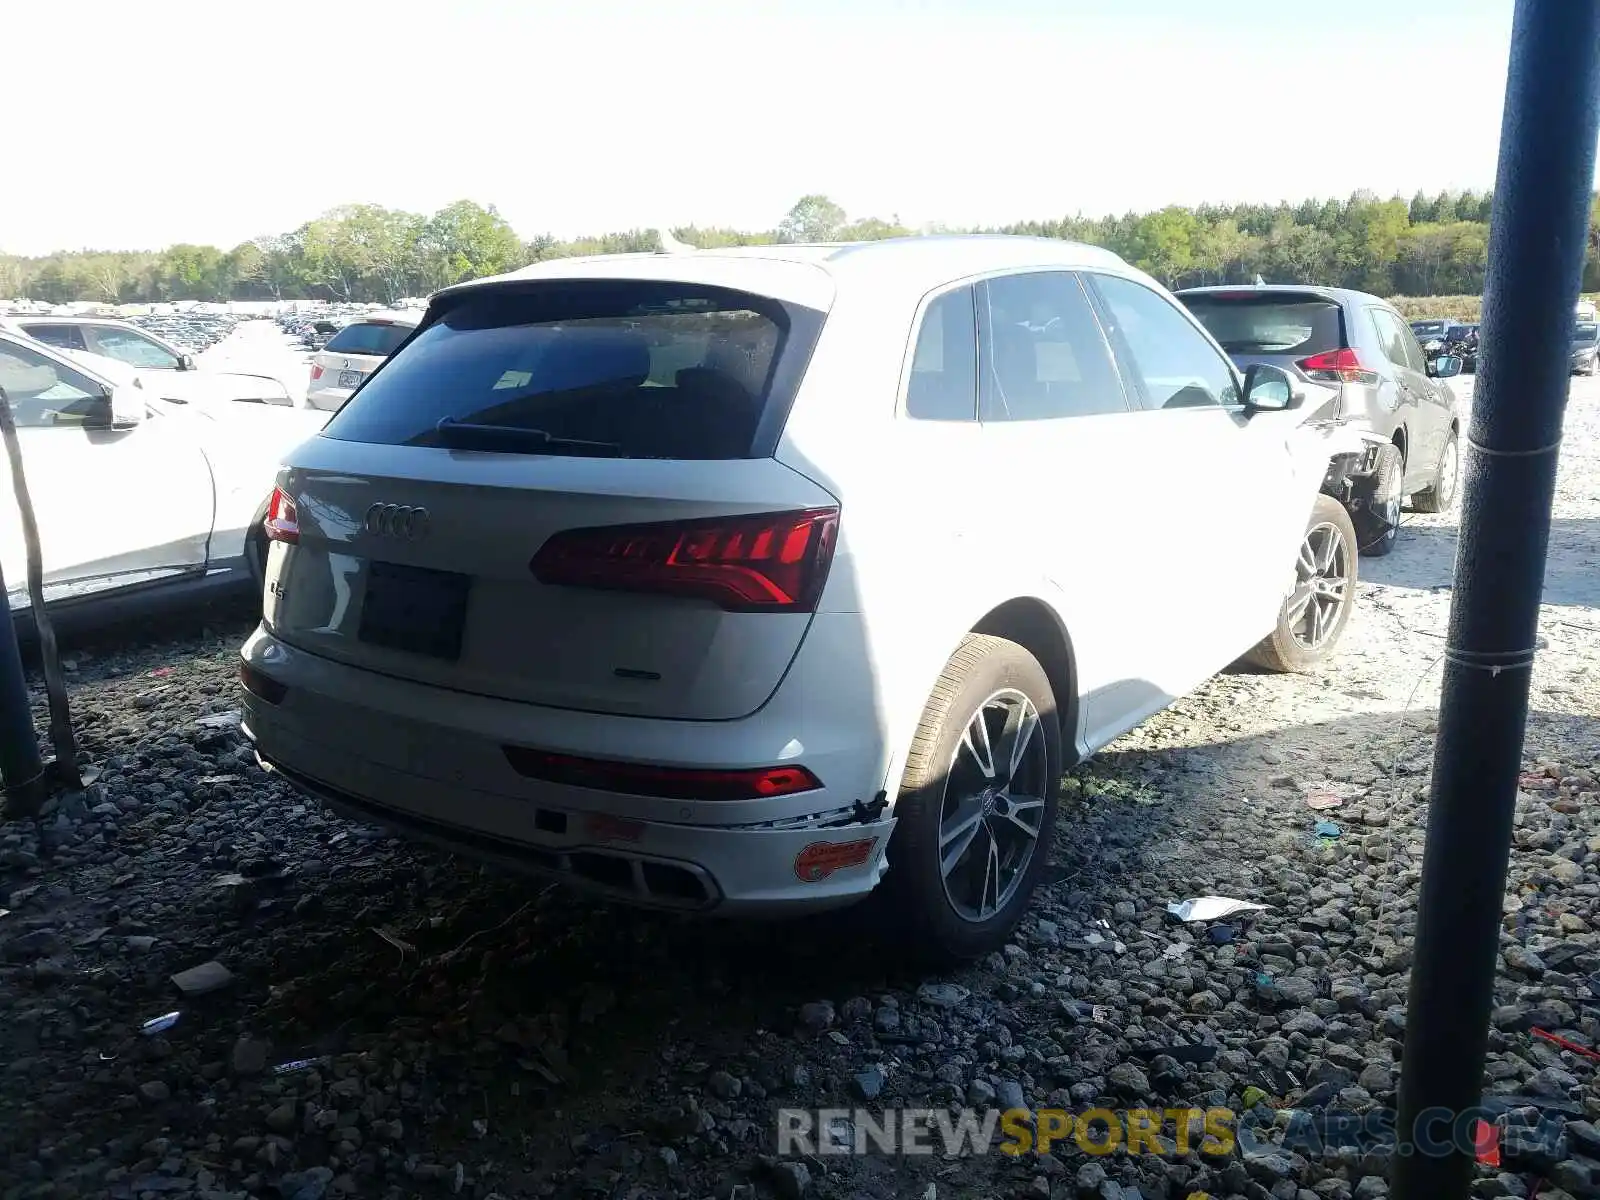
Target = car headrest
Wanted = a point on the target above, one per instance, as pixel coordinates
(1015, 357)
(594, 358)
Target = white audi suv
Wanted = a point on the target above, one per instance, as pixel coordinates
(765, 579)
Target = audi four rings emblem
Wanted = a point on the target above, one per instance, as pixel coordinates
(396, 521)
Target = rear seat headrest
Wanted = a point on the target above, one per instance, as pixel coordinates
(593, 357)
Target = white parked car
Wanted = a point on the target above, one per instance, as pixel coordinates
(763, 579)
(173, 373)
(136, 499)
(354, 353)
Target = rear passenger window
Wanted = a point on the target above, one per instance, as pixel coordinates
(1399, 344)
(944, 365)
(68, 337)
(1044, 354)
(1177, 366)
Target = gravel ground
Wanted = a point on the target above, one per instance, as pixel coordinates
(396, 1023)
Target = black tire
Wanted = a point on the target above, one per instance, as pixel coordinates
(1287, 649)
(1375, 504)
(984, 671)
(1441, 494)
(255, 557)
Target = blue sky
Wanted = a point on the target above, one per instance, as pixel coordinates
(199, 121)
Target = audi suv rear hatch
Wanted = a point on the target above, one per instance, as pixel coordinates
(564, 492)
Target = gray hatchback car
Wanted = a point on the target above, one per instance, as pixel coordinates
(1369, 369)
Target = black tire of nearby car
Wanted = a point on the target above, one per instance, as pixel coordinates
(1441, 494)
(1375, 503)
(255, 558)
(1279, 651)
(916, 902)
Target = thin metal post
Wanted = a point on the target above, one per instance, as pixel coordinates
(1537, 239)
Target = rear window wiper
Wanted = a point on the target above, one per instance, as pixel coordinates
(462, 435)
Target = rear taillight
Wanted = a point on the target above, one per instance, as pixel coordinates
(283, 521)
(1338, 366)
(670, 783)
(316, 372)
(766, 562)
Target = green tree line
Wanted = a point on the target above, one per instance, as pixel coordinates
(1431, 245)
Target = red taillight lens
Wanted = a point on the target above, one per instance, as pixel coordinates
(283, 522)
(669, 783)
(316, 372)
(767, 562)
(1338, 366)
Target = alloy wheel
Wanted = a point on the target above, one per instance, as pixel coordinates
(1449, 469)
(1322, 586)
(1391, 516)
(993, 806)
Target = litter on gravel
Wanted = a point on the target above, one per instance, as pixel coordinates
(160, 1024)
(1212, 908)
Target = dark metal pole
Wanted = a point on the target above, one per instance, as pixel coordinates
(1536, 247)
(21, 767)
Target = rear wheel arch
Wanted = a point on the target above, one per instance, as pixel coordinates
(1036, 627)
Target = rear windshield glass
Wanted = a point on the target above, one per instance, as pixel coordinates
(1269, 326)
(628, 369)
(1428, 328)
(368, 337)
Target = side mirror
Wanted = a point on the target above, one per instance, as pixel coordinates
(120, 408)
(1270, 389)
(185, 362)
(1446, 366)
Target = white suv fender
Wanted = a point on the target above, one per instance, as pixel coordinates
(912, 678)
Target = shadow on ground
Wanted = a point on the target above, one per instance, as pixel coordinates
(1424, 560)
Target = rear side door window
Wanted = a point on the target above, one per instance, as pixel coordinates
(944, 362)
(1173, 363)
(1043, 353)
(68, 337)
(1399, 343)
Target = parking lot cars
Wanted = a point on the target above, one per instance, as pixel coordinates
(353, 353)
(192, 331)
(170, 371)
(1460, 341)
(136, 499)
(1585, 347)
(1367, 367)
(1430, 329)
(756, 580)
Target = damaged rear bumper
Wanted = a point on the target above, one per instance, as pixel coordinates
(405, 757)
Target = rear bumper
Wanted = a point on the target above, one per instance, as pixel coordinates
(431, 764)
(327, 398)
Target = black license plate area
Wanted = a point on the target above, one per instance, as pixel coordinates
(414, 609)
